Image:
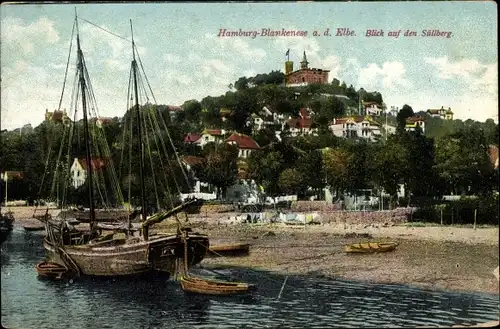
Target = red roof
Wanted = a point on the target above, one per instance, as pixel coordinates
(243, 141)
(96, 163)
(299, 123)
(414, 119)
(191, 138)
(173, 108)
(340, 121)
(192, 160)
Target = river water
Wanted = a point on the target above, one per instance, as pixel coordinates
(305, 302)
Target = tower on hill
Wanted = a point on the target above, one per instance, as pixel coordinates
(305, 75)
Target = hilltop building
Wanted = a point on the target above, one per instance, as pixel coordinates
(441, 113)
(305, 75)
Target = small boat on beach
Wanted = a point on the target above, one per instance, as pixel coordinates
(370, 247)
(213, 287)
(229, 249)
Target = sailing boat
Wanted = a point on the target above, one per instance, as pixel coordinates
(126, 253)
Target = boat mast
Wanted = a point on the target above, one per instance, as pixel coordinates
(141, 142)
(85, 128)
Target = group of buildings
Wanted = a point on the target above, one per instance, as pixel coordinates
(365, 126)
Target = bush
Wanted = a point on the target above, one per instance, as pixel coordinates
(461, 211)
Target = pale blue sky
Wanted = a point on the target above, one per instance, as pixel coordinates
(184, 59)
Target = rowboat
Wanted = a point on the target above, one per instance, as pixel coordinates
(229, 249)
(369, 247)
(51, 270)
(33, 227)
(213, 287)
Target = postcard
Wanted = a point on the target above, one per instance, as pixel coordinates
(249, 164)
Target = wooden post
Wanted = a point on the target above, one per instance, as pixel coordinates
(441, 215)
(475, 216)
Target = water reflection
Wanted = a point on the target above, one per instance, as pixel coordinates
(305, 302)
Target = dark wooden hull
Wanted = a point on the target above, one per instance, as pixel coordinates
(229, 250)
(132, 256)
(51, 270)
(101, 215)
(34, 228)
(213, 287)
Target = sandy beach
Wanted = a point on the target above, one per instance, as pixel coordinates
(433, 257)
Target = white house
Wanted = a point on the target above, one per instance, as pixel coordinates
(245, 144)
(260, 121)
(303, 125)
(78, 170)
(207, 136)
(277, 118)
(441, 113)
(372, 108)
(413, 122)
(355, 127)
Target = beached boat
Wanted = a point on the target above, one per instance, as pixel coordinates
(229, 249)
(206, 286)
(369, 247)
(86, 252)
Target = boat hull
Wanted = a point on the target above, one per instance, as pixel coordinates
(131, 257)
(213, 287)
(229, 250)
(101, 215)
(370, 247)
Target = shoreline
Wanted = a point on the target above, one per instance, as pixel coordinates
(427, 263)
(459, 259)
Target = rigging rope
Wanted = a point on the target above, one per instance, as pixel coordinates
(59, 108)
(163, 121)
(158, 130)
(116, 35)
(169, 194)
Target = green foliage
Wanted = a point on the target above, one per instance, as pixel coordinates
(219, 167)
(290, 180)
(461, 211)
(403, 114)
